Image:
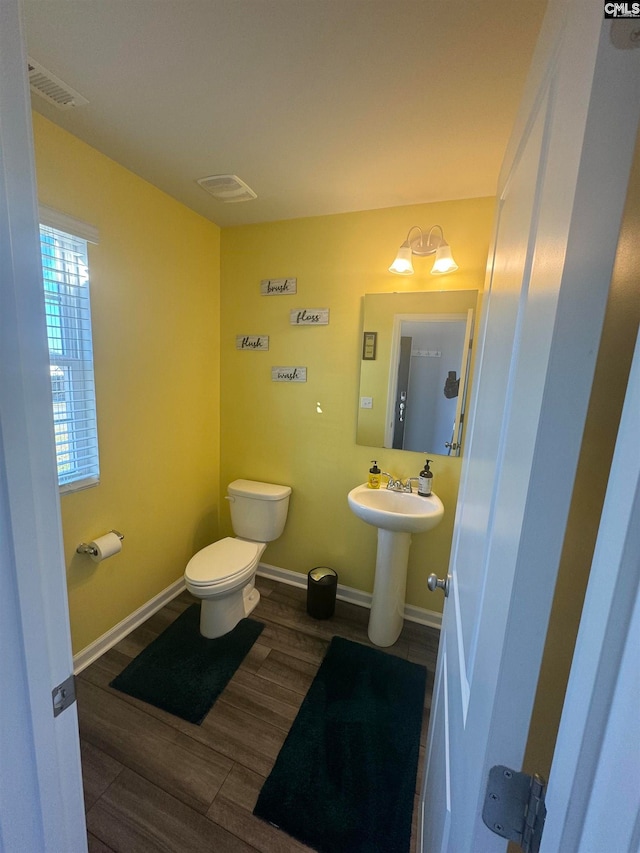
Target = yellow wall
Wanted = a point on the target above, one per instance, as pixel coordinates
(155, 300)
(181, 412)
(303, 434)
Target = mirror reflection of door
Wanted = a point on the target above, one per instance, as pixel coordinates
(402, 394)
(378, 393)
(431, 354)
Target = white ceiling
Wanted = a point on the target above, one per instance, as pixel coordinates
(320, 106)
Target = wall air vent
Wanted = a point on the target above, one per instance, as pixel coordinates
(228, 188)
(52, 88)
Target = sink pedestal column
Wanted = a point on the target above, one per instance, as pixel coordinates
(387, 608)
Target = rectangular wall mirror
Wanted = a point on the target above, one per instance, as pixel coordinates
(413, 390)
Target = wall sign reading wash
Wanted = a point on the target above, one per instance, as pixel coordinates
(288, 374)
(309, 317)
(278, 286)
(255, 342)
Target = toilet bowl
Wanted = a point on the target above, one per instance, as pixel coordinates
(222, 575)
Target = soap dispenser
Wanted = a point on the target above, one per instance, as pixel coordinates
(374, 476)
(425, 480)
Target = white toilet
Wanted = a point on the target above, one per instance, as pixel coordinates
(223, 574)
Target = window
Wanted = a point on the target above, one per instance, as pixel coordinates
(65, 272)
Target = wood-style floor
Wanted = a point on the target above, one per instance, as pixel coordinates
(154, 782)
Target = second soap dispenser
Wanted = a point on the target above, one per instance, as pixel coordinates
(425, 480)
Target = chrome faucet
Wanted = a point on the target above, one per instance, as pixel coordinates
(397, 485)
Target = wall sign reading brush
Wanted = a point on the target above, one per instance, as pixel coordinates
(309, 317)
(278, 286)
(252, 342)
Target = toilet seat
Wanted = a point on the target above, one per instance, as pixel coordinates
(223, 564)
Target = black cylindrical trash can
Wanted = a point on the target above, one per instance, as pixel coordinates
(322, 583)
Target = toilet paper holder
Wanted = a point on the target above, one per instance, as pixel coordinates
(88, 548)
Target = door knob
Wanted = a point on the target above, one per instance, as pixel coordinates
(434, 582)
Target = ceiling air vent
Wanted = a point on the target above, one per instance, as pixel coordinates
(52, 88)
(227, 188)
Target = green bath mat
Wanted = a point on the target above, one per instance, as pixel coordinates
(345, 778)
(181, 671)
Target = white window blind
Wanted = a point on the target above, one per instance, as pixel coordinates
(65, 273)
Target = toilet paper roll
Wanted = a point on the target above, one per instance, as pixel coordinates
(106, 546)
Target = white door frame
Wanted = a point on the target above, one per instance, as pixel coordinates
(593, 797)
(41, 802)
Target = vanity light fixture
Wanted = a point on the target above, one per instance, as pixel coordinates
(422, 245)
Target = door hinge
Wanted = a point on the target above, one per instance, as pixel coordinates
(514, 806)
(64, 695)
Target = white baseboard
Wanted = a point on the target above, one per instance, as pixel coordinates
(346, 593)
(93, 651)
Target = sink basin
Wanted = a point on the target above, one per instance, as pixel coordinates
(401, 512)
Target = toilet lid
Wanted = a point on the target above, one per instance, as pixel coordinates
(222, 560)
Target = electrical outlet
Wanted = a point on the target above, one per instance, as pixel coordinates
(366, 402)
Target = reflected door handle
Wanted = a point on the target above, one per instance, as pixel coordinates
(434, 582)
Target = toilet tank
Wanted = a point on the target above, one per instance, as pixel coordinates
(258, 510)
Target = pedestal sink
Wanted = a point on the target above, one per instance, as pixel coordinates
(396, 515)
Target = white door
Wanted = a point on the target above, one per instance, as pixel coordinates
(561, 196)
(41, 804)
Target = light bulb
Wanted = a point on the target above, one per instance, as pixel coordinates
(443, 263)
(402, 264)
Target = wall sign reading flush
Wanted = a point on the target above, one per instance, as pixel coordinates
(254, 342)
(288, 374)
